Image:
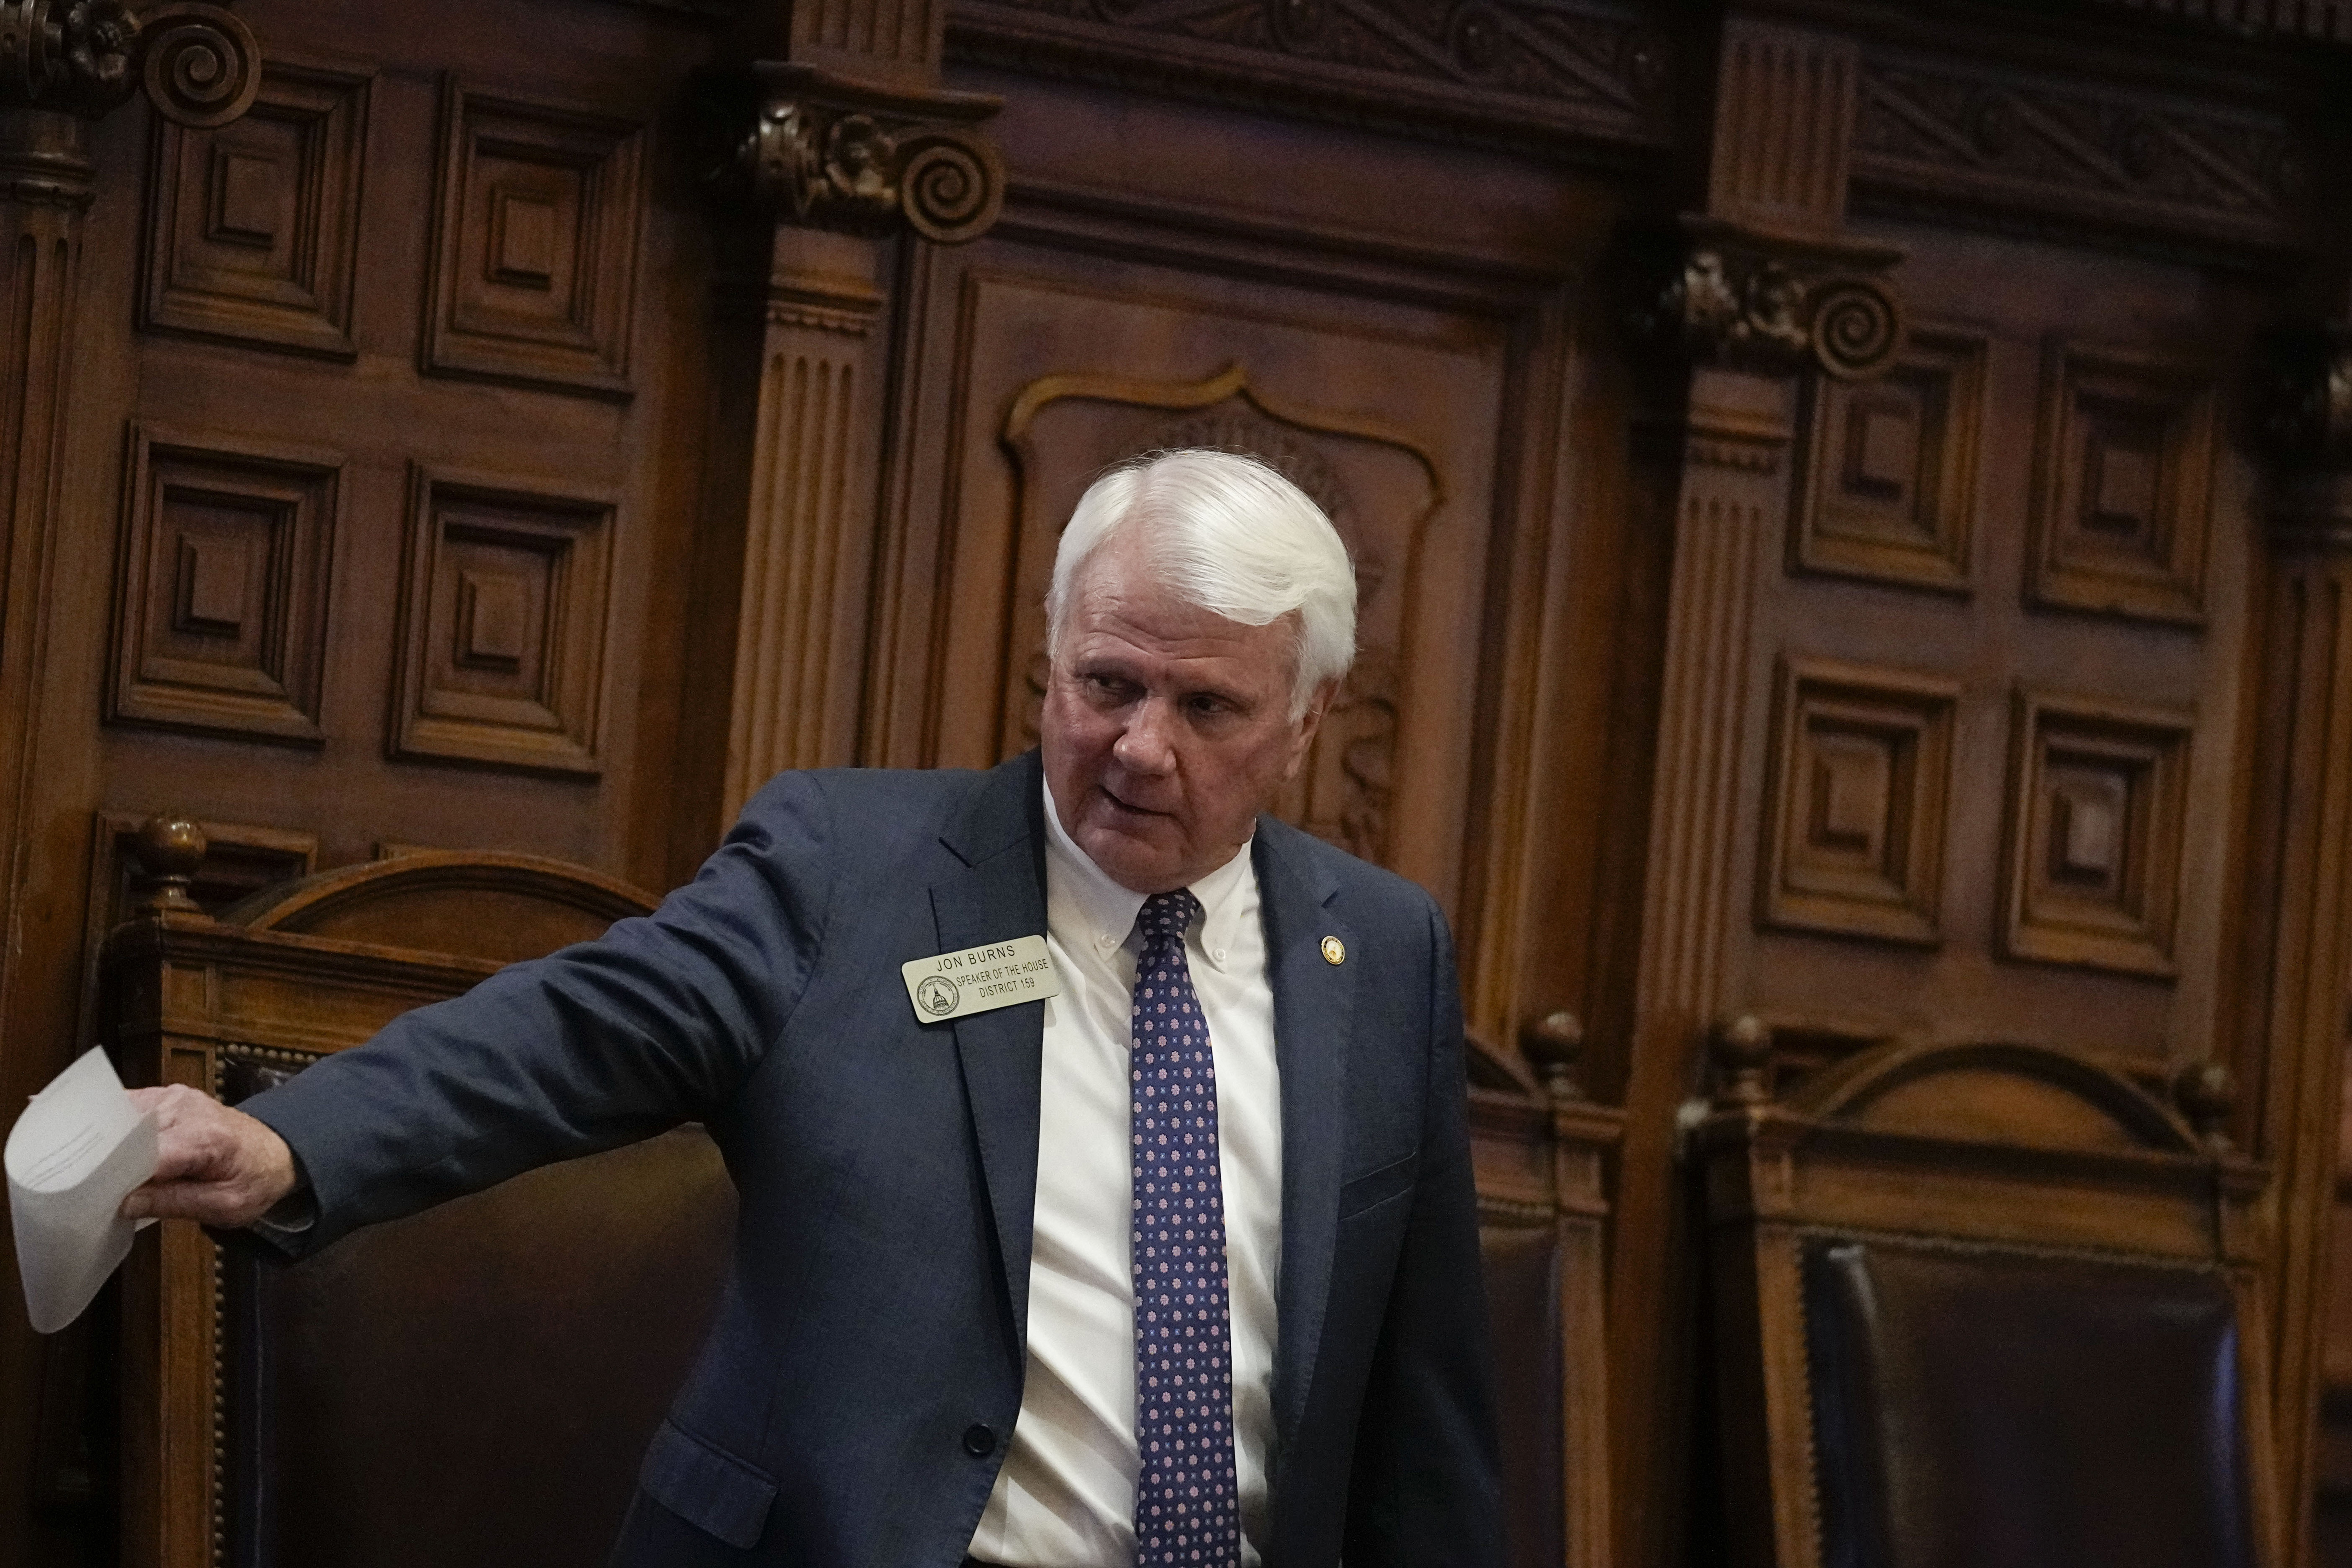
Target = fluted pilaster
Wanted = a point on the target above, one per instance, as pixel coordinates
(839, 170)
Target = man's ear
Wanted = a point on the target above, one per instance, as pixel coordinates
(1309, 723)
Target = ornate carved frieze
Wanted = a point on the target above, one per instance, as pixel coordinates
(2078, 153)
(832, 153)
(1538, 69)
(1743, 297)
(2293, 19)
(198, 64)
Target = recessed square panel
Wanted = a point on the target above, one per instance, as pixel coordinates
(535, 246)
(2122, 493)
(254, 231)
(2097, 798)
(221, 603)
(502, 625)
(523, 240)
(1853, 843)
(215, 586)
(252, 199)
(1886, 489)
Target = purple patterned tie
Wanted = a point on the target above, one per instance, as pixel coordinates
(1186, 1503)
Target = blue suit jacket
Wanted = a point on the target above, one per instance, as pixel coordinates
(887, 1171)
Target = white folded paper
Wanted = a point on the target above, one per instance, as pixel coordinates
(73, 1156)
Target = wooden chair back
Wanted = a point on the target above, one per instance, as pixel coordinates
(1991, 1304)
(473, 1384)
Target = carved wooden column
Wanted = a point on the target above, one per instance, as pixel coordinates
(851, 151)
(1759, 289)
(2298, 970)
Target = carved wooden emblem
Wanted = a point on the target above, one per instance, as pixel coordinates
(1378, 488)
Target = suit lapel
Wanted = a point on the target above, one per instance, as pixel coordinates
(1001, 894)
(1314, 1002)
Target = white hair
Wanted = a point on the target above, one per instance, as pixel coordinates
(1232, 536)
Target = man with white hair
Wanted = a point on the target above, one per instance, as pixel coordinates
(1100, 1142)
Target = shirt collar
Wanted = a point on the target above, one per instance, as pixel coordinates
(1108, 910)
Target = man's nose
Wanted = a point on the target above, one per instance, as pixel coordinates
(1147, 746)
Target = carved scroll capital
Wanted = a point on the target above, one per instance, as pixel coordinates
(830, 152)
(198, 64)
(1726, 294)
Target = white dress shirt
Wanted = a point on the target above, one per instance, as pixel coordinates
(1066, 1497)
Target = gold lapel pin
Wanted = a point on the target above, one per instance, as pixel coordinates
(1334, 951)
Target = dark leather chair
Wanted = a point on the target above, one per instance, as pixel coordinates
(476, 1385)
(1985, 1306)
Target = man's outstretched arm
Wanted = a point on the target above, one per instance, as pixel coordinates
(597, 1045)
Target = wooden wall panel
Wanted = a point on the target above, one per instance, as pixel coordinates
(1862, 772)
(503, 610)
(1579, 73)
(256, 229)
(2135, 687)
(221, 621)
(1186, 307)
(233, 490)
(2123, 497)
(1783, 126)
(1886, 490)
(2062, 143)
(536, 225)
(2294, 1031)
(2095, 827)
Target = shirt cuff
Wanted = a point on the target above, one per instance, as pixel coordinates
(295, 1213)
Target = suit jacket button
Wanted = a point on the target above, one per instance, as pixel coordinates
(979, 1440)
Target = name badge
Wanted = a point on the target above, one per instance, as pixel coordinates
(978, 979)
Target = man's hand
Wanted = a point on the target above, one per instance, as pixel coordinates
(213, 1164)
